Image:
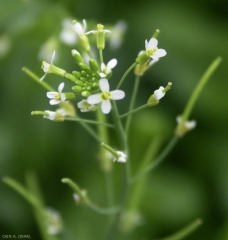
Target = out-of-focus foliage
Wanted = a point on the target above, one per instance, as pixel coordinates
(193, 181)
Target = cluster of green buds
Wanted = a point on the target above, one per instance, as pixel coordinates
(86, 80)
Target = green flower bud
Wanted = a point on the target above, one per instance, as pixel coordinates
(77, 88)
(94, 65)
(70, 77)
(80, 83)
(85, 93)
(142, 58)
(77, 74)
(77, 57)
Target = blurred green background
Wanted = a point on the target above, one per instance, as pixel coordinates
(191, 183)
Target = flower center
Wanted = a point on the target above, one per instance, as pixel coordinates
(57, 96)
(151, 51)
(105, 95)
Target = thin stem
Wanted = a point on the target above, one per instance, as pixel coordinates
(107, 165)
(183, 233)
(86, 200)
(134, 111)
(125, 74)
(24, 193)
(90, 131)
(37, 79)
(132, 103)
(101, 55)
(211, 69)
(158, 160)
(88, 121)
(126, 172)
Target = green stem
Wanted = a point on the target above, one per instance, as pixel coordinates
(158, 160)
(106, 163)
(204, 79)
(125, 74)
(185, 232)
(86, 200)
(24, 193)
(90, 131)
(101, 55)
(132, 103)
(37, 79)
(126, 172)
(33, 187)
(88, 121)
(134, 111)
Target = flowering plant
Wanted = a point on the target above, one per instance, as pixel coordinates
(90, 88)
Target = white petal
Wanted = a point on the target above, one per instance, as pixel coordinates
(158, 94)
(106, 31)
(52, 57)
(52, 115)
(54, 101)
(62, 97)
(154, 57)
(102, 66)
(117, 94)
(103, 75)
(61, 86)
(146, 44)
(106, 107)
(51, 94)
(94, 99)
(46, 67)
(78, 28)
(42, 78)
(80, 104)
(160, 53)
(152, 43)
(84, 23)
(112, 63)
(104, 85)
(92, 31)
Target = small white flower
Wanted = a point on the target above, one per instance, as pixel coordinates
(158, 94)
(152, 50)
(84, 106)
(53, 222)
(106, 69)
(67, 34)
(105, 96)
(189, 125)
(57, 97)
(46, 66)
(52, 115)
(122, 157)
(78, 28)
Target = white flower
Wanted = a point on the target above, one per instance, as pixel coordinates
(106, 69)
(122, 157)
(78, 28)
(84, 106)
(57, 97)
(158, 94)
(67, 34)
(52, 115)
(46, 66)
(57, 116)
(105, 96)
(53, 222)
(152, 50)
(189, 125)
